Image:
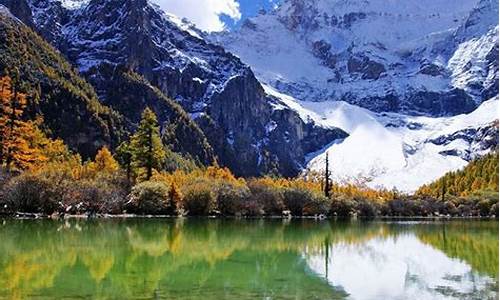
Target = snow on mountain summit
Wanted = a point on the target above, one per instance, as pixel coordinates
(102, 38)
(394, 150)
(74, 4)
(404, 79)
(391, 23)
(381, 55)
(401, 77)
(387, 150)
(397, 91)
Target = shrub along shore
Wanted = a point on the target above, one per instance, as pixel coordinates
(95, 189)
(40, 175)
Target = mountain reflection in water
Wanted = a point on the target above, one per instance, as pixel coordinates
(247, 259)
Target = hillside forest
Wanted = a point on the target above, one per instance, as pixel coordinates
(143, 176)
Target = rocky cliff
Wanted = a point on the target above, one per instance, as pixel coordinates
(435, 58)
(217, 90)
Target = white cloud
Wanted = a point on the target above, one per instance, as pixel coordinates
(204, 13)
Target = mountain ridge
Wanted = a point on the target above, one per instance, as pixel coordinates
(366, 55)
(385, 72)
(307, 78)
(84, 123)
(72, 110)
(197, 74)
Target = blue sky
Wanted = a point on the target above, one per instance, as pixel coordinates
(216, 15)
(248, 9)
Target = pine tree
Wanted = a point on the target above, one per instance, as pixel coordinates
(148, 152)
(124, 157)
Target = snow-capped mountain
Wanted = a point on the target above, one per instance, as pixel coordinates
(381, 55)
(401, 77)
(398, 92)
(393, 150)
(241, 122)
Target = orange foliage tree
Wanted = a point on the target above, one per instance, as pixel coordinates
(15, 150)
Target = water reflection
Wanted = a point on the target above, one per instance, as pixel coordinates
(402, 267)
(222, 259)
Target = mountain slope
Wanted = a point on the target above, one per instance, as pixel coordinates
(398, 92)
(20, 9)
(393, 150)
(215, 87)
(68, 105)
(478, 176)
(129, 93)
(378, 55)
(405, 79)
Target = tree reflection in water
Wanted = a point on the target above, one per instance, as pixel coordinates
(245, 259)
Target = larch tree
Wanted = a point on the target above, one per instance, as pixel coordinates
(5, 95)
(443, 188)
(175, 197)
(148, 152)
(104, 161)
(15, 150)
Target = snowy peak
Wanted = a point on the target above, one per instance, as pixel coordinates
(140, 35)
(73, 4)
(393, 150)
(390, 23)
(474, 65)
(213, 86)
(480, 20)
(381, 55)
(410, 81)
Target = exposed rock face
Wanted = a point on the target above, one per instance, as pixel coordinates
(403, 67)
(371, 52)
(481, 140)
(129, 93)
(474, 64)
(368, 68)
(432, 70)
(321, 49)
(49, 17)
(266, 116)
(452, 102)
(67, 104)
(260, 138)
(212, 85)
(46, 17)
(387, 103)
(20, 9)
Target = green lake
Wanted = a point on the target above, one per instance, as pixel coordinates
(248, 259)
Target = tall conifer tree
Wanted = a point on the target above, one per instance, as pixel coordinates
(148, 152)
(327, 177)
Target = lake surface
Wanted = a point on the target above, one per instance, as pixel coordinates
(248, 259)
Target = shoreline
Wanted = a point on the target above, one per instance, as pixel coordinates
(34, 216)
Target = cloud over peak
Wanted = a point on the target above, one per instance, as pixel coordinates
(205, 14)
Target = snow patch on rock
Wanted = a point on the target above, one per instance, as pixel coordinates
(393, 150)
